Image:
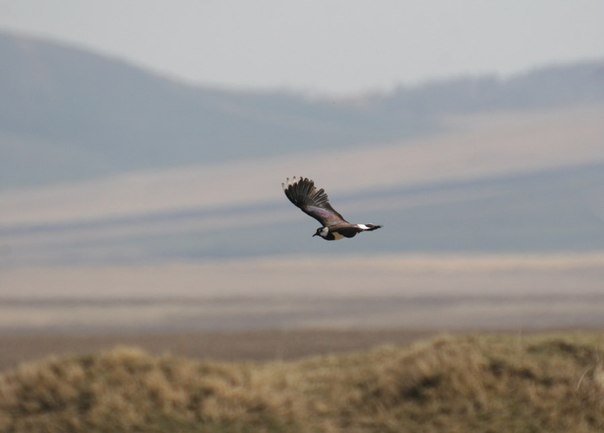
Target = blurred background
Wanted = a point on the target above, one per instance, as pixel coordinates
(143, 145)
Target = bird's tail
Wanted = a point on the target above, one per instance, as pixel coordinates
(369, 227)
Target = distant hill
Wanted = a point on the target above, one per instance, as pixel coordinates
(467, 164)
(544, 87)
(488, 383)
(68, 114)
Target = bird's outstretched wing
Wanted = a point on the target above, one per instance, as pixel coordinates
(314, 202)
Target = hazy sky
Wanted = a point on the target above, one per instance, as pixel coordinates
(346, 46)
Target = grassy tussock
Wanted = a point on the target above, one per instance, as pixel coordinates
(491, 383)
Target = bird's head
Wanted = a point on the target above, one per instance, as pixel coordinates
(321, 231)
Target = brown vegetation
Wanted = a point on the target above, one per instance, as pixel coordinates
(489, 383)
(256, 345)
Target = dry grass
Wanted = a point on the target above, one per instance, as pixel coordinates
(487, 383)
(256, 345)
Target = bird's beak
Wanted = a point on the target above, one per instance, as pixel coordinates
(314, 235)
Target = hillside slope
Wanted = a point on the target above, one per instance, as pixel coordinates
(104, 162)
(528, 182)
(68, 114)
(491, 383)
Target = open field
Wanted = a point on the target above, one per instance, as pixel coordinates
(306, 344)
(435, 293)
(482, 383)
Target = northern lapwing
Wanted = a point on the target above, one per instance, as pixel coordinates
(314, 202)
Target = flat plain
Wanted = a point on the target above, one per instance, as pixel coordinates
(285, 308)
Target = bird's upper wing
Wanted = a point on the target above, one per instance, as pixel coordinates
(303, 193)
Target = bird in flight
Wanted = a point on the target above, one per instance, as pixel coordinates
(314, 202)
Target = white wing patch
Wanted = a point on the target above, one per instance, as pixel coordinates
(289, 182)
(362, 227)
